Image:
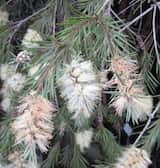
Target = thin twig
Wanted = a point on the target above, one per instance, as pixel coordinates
(158, 4)
(123, 23)
(125, 9)
(140, 24)
(151, 116)
(154, 34)
(136, 19)
(109, 8)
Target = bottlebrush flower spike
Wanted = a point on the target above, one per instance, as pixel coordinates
(125, 68)
(34, 123)
(80, 88)
(133, 158)
(135, 102)
(31, 38)
(120, 104)
(83, 139)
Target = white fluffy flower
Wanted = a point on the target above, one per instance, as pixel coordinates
(82, 99)
(6, 71)
(140, 107)
(80, 88)
(84, 139)
(137, 107)
(3, 17)
(5, 104)
(133, 158)
(134, 101)
(31, 38)
(16, 82)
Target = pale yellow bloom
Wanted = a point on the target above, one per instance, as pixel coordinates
(84, 139)
(31, 38)
(134, 101)
(133, 158)
(124, 68)
(34, 123)
(120, 104)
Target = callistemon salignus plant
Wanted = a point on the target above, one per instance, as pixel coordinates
(131, 96)
(79, 86)
(33, 125)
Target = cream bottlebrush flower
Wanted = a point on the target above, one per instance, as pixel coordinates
(31, 38)
(133, 158)
(34, 124)
(6, 71)
(3, 17)
(140, 107)
(125, 68)
(84, 139)
(6, 103)
(83, 99)
(80, 87)
(16, 82)
(135, 102)
(120, 104)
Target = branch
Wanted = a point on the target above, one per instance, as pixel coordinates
(151, 116)
(123, 23)
(154, 34)
(136, 19)
(125, 9)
